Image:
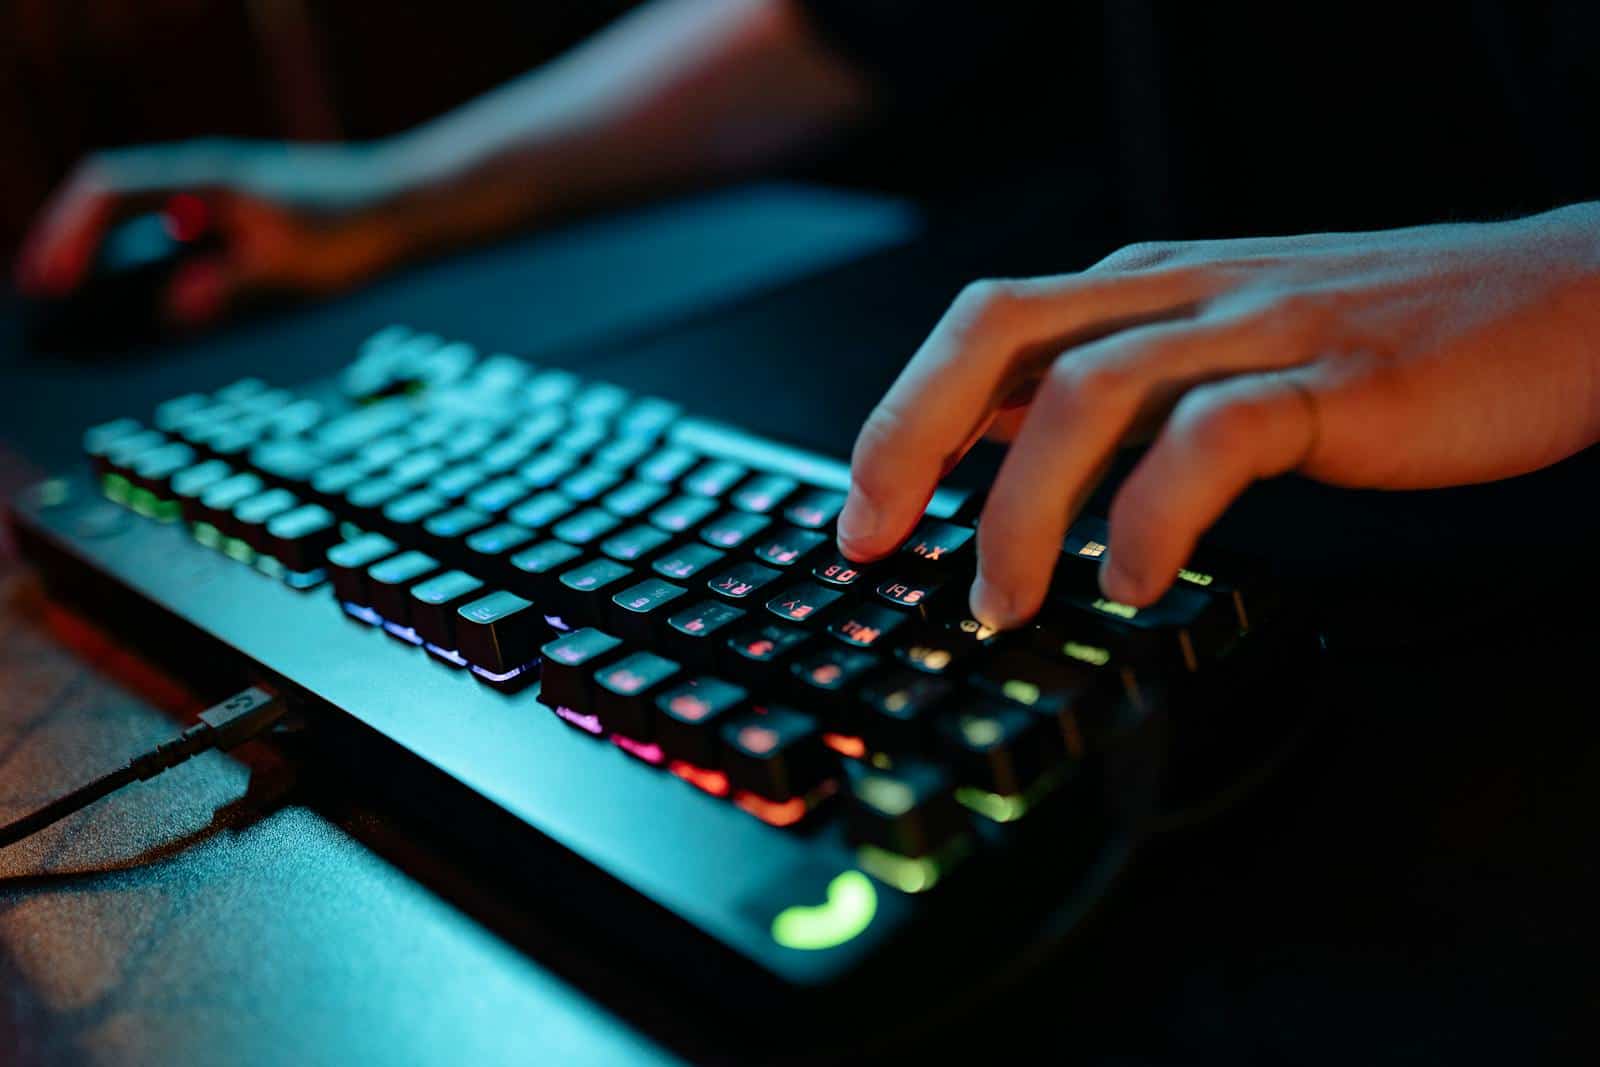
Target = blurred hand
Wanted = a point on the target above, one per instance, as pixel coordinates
(1416, 358)
(292, 218)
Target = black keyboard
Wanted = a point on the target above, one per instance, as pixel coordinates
(628, 630)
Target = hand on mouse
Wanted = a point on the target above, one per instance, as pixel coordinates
(291, 218)
(1426, 357)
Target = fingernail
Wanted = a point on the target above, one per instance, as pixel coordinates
(1118, 584)
(991, 605)
(858, 522)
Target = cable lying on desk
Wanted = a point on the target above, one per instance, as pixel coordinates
(222, 726)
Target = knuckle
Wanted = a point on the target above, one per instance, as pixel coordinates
(984, 302)
(1078, 380)
(1139, 256)
(1210, 421)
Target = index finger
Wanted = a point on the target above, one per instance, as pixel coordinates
(995, 334)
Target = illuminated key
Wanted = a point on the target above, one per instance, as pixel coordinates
(936, 652)
(682, 513)
(389, 584)
(922, 596)
(898, 710)
(814, 508)
(866, 625)
(733, 530)
(823, 677)
(910, 811)
(583, 591)
(299, 538)
(837, 571)
(638, 612)
(1187, 627)
(635, 543)
(752, 656)
(567, 667)
(499, 632)
(695, 634)
(742, 581)
(789, 546)
(688, 716)
(624, 693)
(1000, 748)
(347, 564)
(542, 509)
(586, 527)
(433, 606)
(779, 756)
(763, 493)
(938, 543)
(714, 478)
(803, 603)
(687, 561)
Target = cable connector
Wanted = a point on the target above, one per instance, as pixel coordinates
(223, 726)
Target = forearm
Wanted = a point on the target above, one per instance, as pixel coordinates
(678, 92)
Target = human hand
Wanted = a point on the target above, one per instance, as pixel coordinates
(291, 218)
(1417, 358)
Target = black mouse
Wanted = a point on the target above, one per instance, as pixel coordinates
(119, 302)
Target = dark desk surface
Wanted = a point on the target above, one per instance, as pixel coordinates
(1416, 886)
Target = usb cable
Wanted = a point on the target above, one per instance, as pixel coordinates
(222, 726)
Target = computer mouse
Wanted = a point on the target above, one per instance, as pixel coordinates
(119, 303)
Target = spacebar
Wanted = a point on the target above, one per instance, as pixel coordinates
(727, 442)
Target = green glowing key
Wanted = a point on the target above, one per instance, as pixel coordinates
(852, 902)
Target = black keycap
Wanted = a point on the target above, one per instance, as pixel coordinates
(544, 559)
(348, 562)
(935, 651)
(734, 529)
(99, 440)
(624, 693)
(417, 468)
(590, 484)
(898, 711)
(1074, 695)
(814, 508)
(910, 810)
(635, 498)
(779, 756)
(688, 716)
(499, 632)
(682, 513)
(331, 483)
(742, 581)
(586, 527)
(287, 462)
(938, 543)
(634, 544)
(837, 571)
(498, 495)
(1000, 748)
(434, 603)
(667, 465)
(414, 507)
(172, 414)
(378, 454)
(546, 470)
(803, 603)
(189, 485)
(1186, 627)
(638, 613)
(506, 454)
(866, 625)
(217, 503)
(755, 655)
(763, 493)
(583, 591)
(823, 678)
(921, 596)
(541, 510)
(471, 440)
(457, 522)
(695, 634)
(457, 482)
(714, 478)
(494, 542)
(622, 453)
(365, 500)
(153, 470)
(789, 546)
(250, 517)
(389, 584)
(299, 538)
(582, 436)
(687, 561)
(566, 677)
(1089, 539)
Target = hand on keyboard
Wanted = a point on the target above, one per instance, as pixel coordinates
(1415, 358)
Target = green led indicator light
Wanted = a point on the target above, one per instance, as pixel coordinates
(236, 549)
(1000, 807)
(116, 488)
(852, 902)
(1195, 577)
(1112, 607)
(904, 873)
(1020, 691)
(208, 535)
(1097, 657)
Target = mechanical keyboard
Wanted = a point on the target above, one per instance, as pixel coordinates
(623, 636)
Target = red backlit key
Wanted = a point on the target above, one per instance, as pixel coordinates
(921, 596)
(939, 543)
(789, 546)
(624, 693)
(866, 625)
(803, 602)
(688, 715)
(822, 678)
(742, 581)
(814, 508)
(752, 656)
(778, 756)
(837, 571)
(694, 634)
